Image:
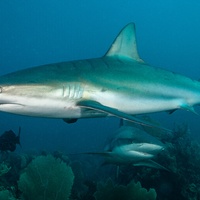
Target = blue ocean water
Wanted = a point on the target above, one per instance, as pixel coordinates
(38, 32)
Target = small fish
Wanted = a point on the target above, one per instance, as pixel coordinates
(9, 140)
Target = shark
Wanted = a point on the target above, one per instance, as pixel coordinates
(131, 146)
(117, 84)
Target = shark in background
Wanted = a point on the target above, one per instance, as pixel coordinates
(131, 146)
(118, 84)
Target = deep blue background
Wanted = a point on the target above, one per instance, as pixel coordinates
(37, 32)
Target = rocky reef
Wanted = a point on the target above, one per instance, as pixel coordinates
(59, 176)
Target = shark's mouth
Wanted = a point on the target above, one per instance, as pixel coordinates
(15, 108)
(10, 106)
(10, 103)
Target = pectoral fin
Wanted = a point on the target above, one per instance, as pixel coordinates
(99, 107)
(150, 163)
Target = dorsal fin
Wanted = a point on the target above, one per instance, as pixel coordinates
(125, 44)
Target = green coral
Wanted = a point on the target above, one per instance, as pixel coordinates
(79, 188)
(4, 169)
(46, 178)
(133, 191)
(6, 195)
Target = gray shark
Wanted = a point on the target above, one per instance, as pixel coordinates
(118, 84)
(132, 146)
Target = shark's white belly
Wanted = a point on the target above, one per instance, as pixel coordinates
(139, 105)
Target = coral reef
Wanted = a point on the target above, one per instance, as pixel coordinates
(30, 176)
(46, 178)
(4, 169)
(79, 188)
(6, 195)
(133, 191)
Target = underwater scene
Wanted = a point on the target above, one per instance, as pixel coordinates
(134, 165)
(99, 100)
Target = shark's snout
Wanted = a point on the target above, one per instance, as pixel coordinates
(10, 100)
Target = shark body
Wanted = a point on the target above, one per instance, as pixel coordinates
(119, 84)
(131, 146)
